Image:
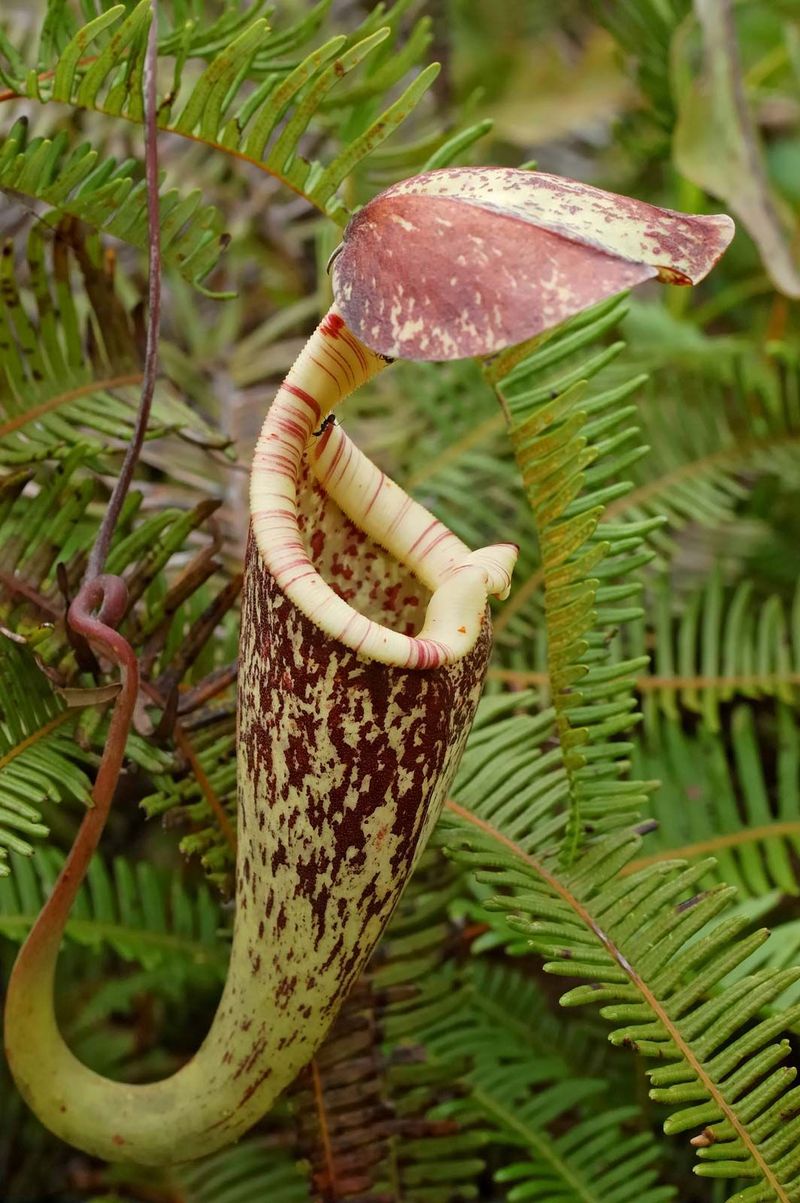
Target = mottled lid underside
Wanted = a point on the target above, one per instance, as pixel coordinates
(469, 260)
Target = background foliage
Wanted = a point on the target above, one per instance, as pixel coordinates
(650, 472)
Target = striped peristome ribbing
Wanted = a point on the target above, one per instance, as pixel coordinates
(459, 580)
(405, 528)
(332, 364)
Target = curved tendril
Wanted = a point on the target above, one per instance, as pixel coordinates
(29, 998)
(333, 364)
(107, 595)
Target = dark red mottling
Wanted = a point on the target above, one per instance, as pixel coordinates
(302, 395)
(467, 260)
(350, 760)
(682, 247)
(484, 282)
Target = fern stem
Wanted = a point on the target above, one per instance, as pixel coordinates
(727, 839)
(35, 737)
(34, 412)
(28, 1016)
(331, 1183)
(218, 810)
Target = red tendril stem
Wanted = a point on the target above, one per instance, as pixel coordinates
(107, 596)
(99, 552)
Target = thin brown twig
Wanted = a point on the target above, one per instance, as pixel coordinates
(331, 1185)
(207, 789)
(198, 635)
(99, 552)
(210, 687)
(22, 589)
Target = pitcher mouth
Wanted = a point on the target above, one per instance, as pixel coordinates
(360, 571)
(435, 614)
(297, 442)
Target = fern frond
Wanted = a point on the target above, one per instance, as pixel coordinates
(652, 950)
(245, 1172)
(571, 453)
(712, 802)
(52, 524)
(781, 951)
(228, 109)
(109, 196)
(725, 643)
(143, 916)
(185, 797)
(431, 1159)
(54, 394)
(722, 644)
(596, 1157)
(718, 416)
(502, 1015)
(191, 37)
(556, 371)
(522, 1083)
(644, 32)
(433, 150)
(39, 758)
